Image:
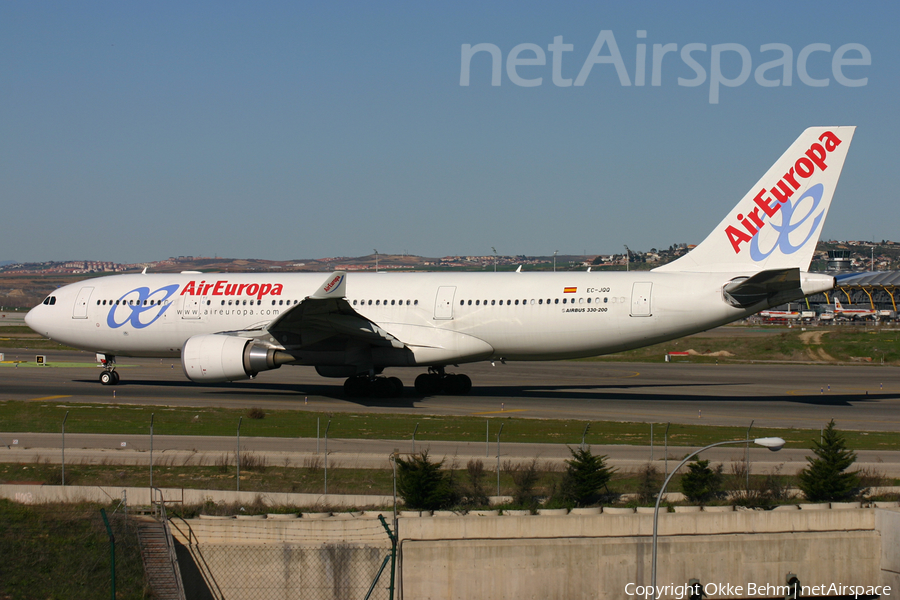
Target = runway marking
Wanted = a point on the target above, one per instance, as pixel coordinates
(500, 412)
(48, 398)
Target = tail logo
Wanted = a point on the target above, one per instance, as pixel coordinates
(748, 228)
(783, 241)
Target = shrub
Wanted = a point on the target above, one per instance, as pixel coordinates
(422, 484)
(649, 482)
(256, 413)
(525, 478)
(476, 492)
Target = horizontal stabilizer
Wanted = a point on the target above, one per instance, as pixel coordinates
(747, 292)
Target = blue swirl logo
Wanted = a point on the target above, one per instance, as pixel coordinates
(140, 307)
(788, 225)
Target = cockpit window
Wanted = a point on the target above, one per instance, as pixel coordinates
(49, 300)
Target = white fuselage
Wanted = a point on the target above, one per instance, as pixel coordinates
(517, 316)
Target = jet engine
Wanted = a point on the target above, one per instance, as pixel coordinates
(215, 358)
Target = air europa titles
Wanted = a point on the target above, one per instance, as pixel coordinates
(223, 288)
(804, 168)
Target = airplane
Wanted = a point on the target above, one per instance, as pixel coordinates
(853, 313)
(228, 327)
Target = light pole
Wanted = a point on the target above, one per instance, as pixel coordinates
(772, 443)
(555, 252)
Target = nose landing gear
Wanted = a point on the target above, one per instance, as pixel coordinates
(109, 375)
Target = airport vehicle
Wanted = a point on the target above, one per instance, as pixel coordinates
(228, 327)
(780, 315)
(853, 313)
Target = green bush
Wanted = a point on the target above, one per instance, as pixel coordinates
(422, 484)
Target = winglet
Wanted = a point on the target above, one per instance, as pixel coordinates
(334, 286)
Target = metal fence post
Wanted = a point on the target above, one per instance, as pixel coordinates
(64, 448)
(240, 420)
(498, 458)
(151, 450)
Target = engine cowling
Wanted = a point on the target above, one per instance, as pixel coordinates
(216, 358)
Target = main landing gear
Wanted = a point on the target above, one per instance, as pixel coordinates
(109, 375)
(436, 381)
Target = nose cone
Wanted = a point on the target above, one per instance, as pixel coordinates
(33, 319)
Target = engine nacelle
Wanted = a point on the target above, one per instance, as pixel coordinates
(216, 358)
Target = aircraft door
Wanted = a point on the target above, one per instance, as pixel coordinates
(81, 303)
(443, 304)
(191, 308)
(640, 299)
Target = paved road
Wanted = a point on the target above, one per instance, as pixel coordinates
(857, 397)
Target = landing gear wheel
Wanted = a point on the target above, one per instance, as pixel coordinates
(428, 384)
(109, 378)
(356, 387)
(115, 375)
(398, 387)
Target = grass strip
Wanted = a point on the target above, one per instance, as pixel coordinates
(47, 416)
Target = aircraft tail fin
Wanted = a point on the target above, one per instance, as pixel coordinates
(777, 224)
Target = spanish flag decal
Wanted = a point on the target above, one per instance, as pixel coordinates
(570, 290)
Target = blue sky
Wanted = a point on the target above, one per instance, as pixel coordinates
(134, 131)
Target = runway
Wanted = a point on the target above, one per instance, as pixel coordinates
(773, 395)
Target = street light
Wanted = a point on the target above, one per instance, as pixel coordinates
(772, 443)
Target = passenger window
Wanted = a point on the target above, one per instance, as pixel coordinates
(556, 301)
(378, 303)
(416, 302)
(541, 301)
(470, 303)
(392, 302)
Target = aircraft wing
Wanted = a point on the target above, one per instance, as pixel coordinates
(325, 315)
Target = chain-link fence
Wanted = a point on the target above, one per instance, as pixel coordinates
(303, 561)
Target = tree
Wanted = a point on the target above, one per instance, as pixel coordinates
(649, 482)
(585, 475)
(701, 484)
(422, 484)
(825, 479)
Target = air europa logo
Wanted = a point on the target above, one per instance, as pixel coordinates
(334, 283)
(804, 167)
(140, 307)
(223, 288)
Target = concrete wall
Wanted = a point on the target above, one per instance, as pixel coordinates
(44, 494)
(597, 556)
(571, 556)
